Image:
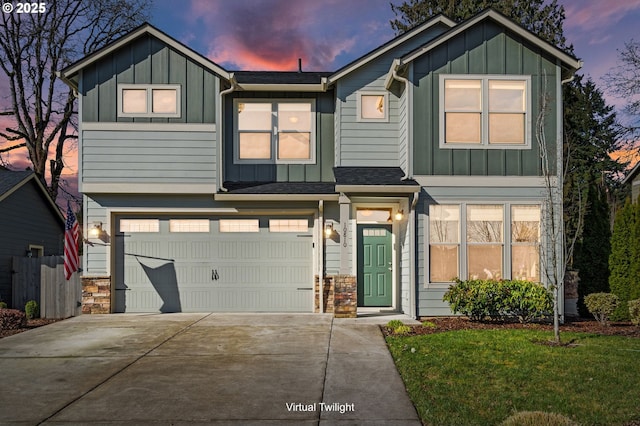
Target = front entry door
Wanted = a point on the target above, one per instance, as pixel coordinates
(375, 265)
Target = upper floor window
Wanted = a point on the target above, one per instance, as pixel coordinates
(148, 100)
(372, 106)
(485, 111)
(275, 131)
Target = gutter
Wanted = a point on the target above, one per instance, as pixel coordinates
(219, 118)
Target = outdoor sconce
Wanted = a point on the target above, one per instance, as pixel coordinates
(399, 215)
(328, 230)
(96, 230)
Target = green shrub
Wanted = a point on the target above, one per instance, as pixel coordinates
(3, 305)
(32, 309)
(429, 324)
(479, 299)
(394, 324)
(601, 305)
(634, 311)
(402, 330)
(537, 418)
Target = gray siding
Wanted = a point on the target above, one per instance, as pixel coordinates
(484, 49)
(321, 171)
(373, 143)
(332, 245)
(95, 257)
(148, 61)
(27, 219)
(403, 131)
(149, 156)
(635, 188)
(405, 265)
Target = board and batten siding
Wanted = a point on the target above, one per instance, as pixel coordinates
(374, 144)
(320, 171)
(148, 60)
(26, 220)
(155, 156)
(486, 48)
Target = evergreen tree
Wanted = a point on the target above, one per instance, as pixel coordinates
(541, 17)
(591, 257)
(624, 262)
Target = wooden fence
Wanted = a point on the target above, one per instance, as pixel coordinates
(42, 279)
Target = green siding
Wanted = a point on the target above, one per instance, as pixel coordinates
(484, 49)
(147, 60)
(321, 171)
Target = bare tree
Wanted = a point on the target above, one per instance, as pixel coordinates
(560, 250)
(33, 47)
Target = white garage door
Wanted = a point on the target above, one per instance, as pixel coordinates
(177, 264)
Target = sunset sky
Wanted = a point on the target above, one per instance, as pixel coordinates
(327, 34)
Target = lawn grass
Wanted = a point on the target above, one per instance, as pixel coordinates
(480, 377)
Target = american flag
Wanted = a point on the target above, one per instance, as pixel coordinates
(71, 259)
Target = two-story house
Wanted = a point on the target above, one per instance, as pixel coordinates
(210, 190)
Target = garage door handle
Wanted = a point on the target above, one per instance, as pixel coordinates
(304, 288)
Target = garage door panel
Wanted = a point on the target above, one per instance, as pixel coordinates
(215, 271)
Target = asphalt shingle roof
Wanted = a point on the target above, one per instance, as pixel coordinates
(280, 187)
(10, 178)
(279, 77)
(371, 176)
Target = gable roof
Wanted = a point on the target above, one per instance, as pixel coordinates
(11, 181)
(632, 174)
(569, 61)
(391, 44)
(69, 74)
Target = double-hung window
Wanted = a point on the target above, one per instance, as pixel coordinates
(485, 111)
(275, 131)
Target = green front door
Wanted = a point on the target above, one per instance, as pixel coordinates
(374, 265)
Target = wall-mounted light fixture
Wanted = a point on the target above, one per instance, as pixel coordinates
(96, 230)
(328, 229)
(399, 215)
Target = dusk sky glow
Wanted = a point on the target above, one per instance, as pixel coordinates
(327, 34)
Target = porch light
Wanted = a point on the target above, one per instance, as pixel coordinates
(96, 230)
(399, 215)
(328, 229)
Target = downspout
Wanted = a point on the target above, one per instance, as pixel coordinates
(221, 140)
(321, 257)
(414, 202)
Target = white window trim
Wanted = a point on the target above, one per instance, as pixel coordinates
(507, 270)
(361, 119)
(484, 120)
(274, 131)
(149, 88)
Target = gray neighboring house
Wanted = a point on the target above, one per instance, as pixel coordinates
(369, 187)
(633, 179)
(31, 225)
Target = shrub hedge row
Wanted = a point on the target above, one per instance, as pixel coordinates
(481, 299)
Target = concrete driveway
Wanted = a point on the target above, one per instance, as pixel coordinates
(305, 369)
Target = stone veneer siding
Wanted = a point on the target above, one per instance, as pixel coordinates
(96, 295)
(327, 298)
(345, 299)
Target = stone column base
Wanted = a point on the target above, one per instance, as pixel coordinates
(96, 295)
(345, 303)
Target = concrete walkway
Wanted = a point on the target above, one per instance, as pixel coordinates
(304, 369)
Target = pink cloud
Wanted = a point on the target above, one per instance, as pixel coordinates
(597, 14)
(272, 35)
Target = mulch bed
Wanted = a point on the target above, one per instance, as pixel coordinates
(31, 324)
(572, 325)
